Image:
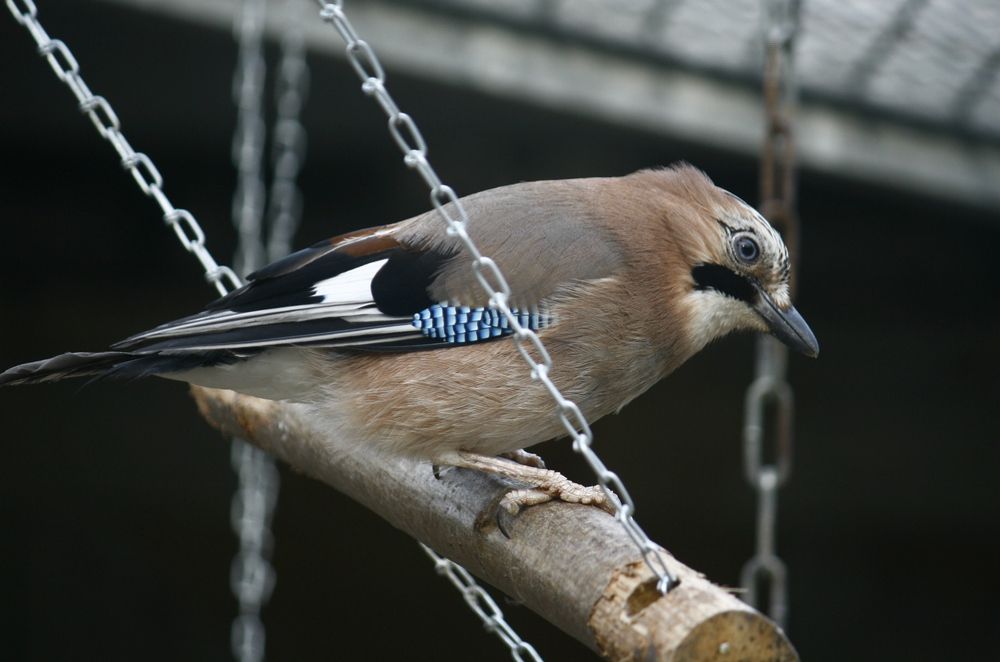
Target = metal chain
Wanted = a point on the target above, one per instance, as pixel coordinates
(249, 136)
(252, 576)
(765, 572)
(483, 605)
(138, 164)
(289, 137)
(252, 579)
(444, 199)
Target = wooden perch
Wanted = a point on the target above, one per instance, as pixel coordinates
(573, 565)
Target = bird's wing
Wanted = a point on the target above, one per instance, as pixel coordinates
(355, 290)
(396, 287)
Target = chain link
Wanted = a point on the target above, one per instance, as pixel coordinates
(366, 64)
(138, 164)
(770, 392)
(483, 606)
(252, 575)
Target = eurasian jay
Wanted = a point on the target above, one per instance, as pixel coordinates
(389, 338)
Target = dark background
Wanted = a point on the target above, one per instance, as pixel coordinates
(115, 540)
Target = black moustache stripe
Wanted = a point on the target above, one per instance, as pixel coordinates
(726, 281)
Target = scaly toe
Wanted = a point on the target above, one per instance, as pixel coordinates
(515, 500)
(525, 458)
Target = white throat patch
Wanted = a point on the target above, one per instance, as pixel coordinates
(714, 315)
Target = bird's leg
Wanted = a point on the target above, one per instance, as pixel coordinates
(524, 457)
(545, 484)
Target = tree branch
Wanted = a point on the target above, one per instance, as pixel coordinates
(573, 565)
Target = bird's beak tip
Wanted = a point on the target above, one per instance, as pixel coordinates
(791, 329)
(809, 345)
(788, 326)
(796, 334)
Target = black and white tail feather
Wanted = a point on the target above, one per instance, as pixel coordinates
(364, 291)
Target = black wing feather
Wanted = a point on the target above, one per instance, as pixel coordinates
(282, 305)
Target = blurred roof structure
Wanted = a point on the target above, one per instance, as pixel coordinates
(900, 92)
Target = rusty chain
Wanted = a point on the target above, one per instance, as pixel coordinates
(768, 418)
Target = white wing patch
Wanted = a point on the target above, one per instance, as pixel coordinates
(353, 286)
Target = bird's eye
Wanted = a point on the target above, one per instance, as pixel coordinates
(747, 249)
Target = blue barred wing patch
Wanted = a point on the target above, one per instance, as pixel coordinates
(463, 325)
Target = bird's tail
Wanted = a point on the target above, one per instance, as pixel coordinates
(121, 365)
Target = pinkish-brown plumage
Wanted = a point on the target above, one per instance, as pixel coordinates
(630, 275)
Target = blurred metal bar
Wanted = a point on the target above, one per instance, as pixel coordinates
(879, 50)
(546, 11)
(977, 86)
(656, 94)
(657, 18)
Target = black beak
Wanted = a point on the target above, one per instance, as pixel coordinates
(786, 325)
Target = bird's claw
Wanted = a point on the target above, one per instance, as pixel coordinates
(541, 485)
(440, 470)
(564, 490)
(525, 458)
(507, 506)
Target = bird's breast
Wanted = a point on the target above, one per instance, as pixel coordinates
(481, 398)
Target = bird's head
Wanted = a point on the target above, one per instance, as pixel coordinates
(740, 281)
(737, 265)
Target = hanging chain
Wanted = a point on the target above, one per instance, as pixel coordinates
(289, 137)
(444, 199)
(138, 164)
(769, 392)
(249, 136)
(483, 605)
(252, 580)
(777, 168)
(252, 576)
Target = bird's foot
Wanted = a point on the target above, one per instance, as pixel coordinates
(543, 485)
(559, 488)
(524, 457)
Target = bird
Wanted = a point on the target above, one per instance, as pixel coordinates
(386, 335)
